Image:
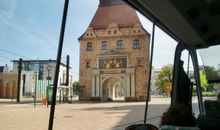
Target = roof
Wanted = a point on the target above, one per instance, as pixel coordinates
(39, 61)
(34, 60)
(192, 22)
(119, 13)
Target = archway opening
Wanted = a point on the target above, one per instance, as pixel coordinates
(113, 90)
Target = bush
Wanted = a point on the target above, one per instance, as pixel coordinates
(95, 99)
(209, 94)
(130, 99)
(205, 94)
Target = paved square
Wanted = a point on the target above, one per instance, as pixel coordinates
(81, 115)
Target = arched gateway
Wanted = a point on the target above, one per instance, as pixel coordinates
(113, 89)
(112, 79)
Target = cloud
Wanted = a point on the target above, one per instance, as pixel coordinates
(7, 9)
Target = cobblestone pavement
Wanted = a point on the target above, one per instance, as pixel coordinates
(80, 115)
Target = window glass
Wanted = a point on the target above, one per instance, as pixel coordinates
(104, 45)
(210, 68)
(119, 44)
(30, 30)
(89, 46)
(136, 44)
(139, 61)
(189, 70)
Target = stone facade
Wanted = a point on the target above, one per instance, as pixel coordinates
(114, 60)
(8, 86)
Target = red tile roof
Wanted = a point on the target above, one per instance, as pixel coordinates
(121, 14)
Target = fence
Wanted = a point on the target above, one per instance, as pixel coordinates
(41, 89)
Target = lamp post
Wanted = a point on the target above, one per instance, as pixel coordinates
(48, 76)
(19, 79)
(35, 88)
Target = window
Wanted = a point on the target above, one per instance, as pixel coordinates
(109, 32)
(104, 45)
(136, 44)
(139, 61)
(26, 66)
(41, 71)
(88, 63)
(119, 44)
(115, 31)
(89, 46)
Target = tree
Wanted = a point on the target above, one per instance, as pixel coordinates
(211, 74)
(164, 77)
(75, 86)
(203, 80)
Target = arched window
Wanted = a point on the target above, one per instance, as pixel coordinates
(88, 63)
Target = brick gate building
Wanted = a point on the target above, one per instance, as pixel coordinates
(114, 55)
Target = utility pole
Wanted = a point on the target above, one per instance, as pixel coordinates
(67, 69)
(19, 79)
(35, 88)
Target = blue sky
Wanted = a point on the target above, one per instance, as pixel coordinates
(30, 29)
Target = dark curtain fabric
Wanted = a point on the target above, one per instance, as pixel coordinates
(183, 87)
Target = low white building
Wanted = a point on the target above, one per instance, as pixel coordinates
(44, 70)
(5, 69)
(154, 75)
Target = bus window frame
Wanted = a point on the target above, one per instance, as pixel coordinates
(192, 52)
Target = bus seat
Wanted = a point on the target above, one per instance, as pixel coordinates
(141, 127)
(211, 120)
(212, 108)
(169, 127)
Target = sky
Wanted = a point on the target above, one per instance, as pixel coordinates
(29, 29)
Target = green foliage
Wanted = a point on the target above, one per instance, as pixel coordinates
(75, 84)
(75, 87)
(211, 74)
(203, 80)
(164, 76)
(206, 94)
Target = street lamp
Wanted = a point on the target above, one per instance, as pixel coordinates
(19, 79)
(35, 88)
(48, 69)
